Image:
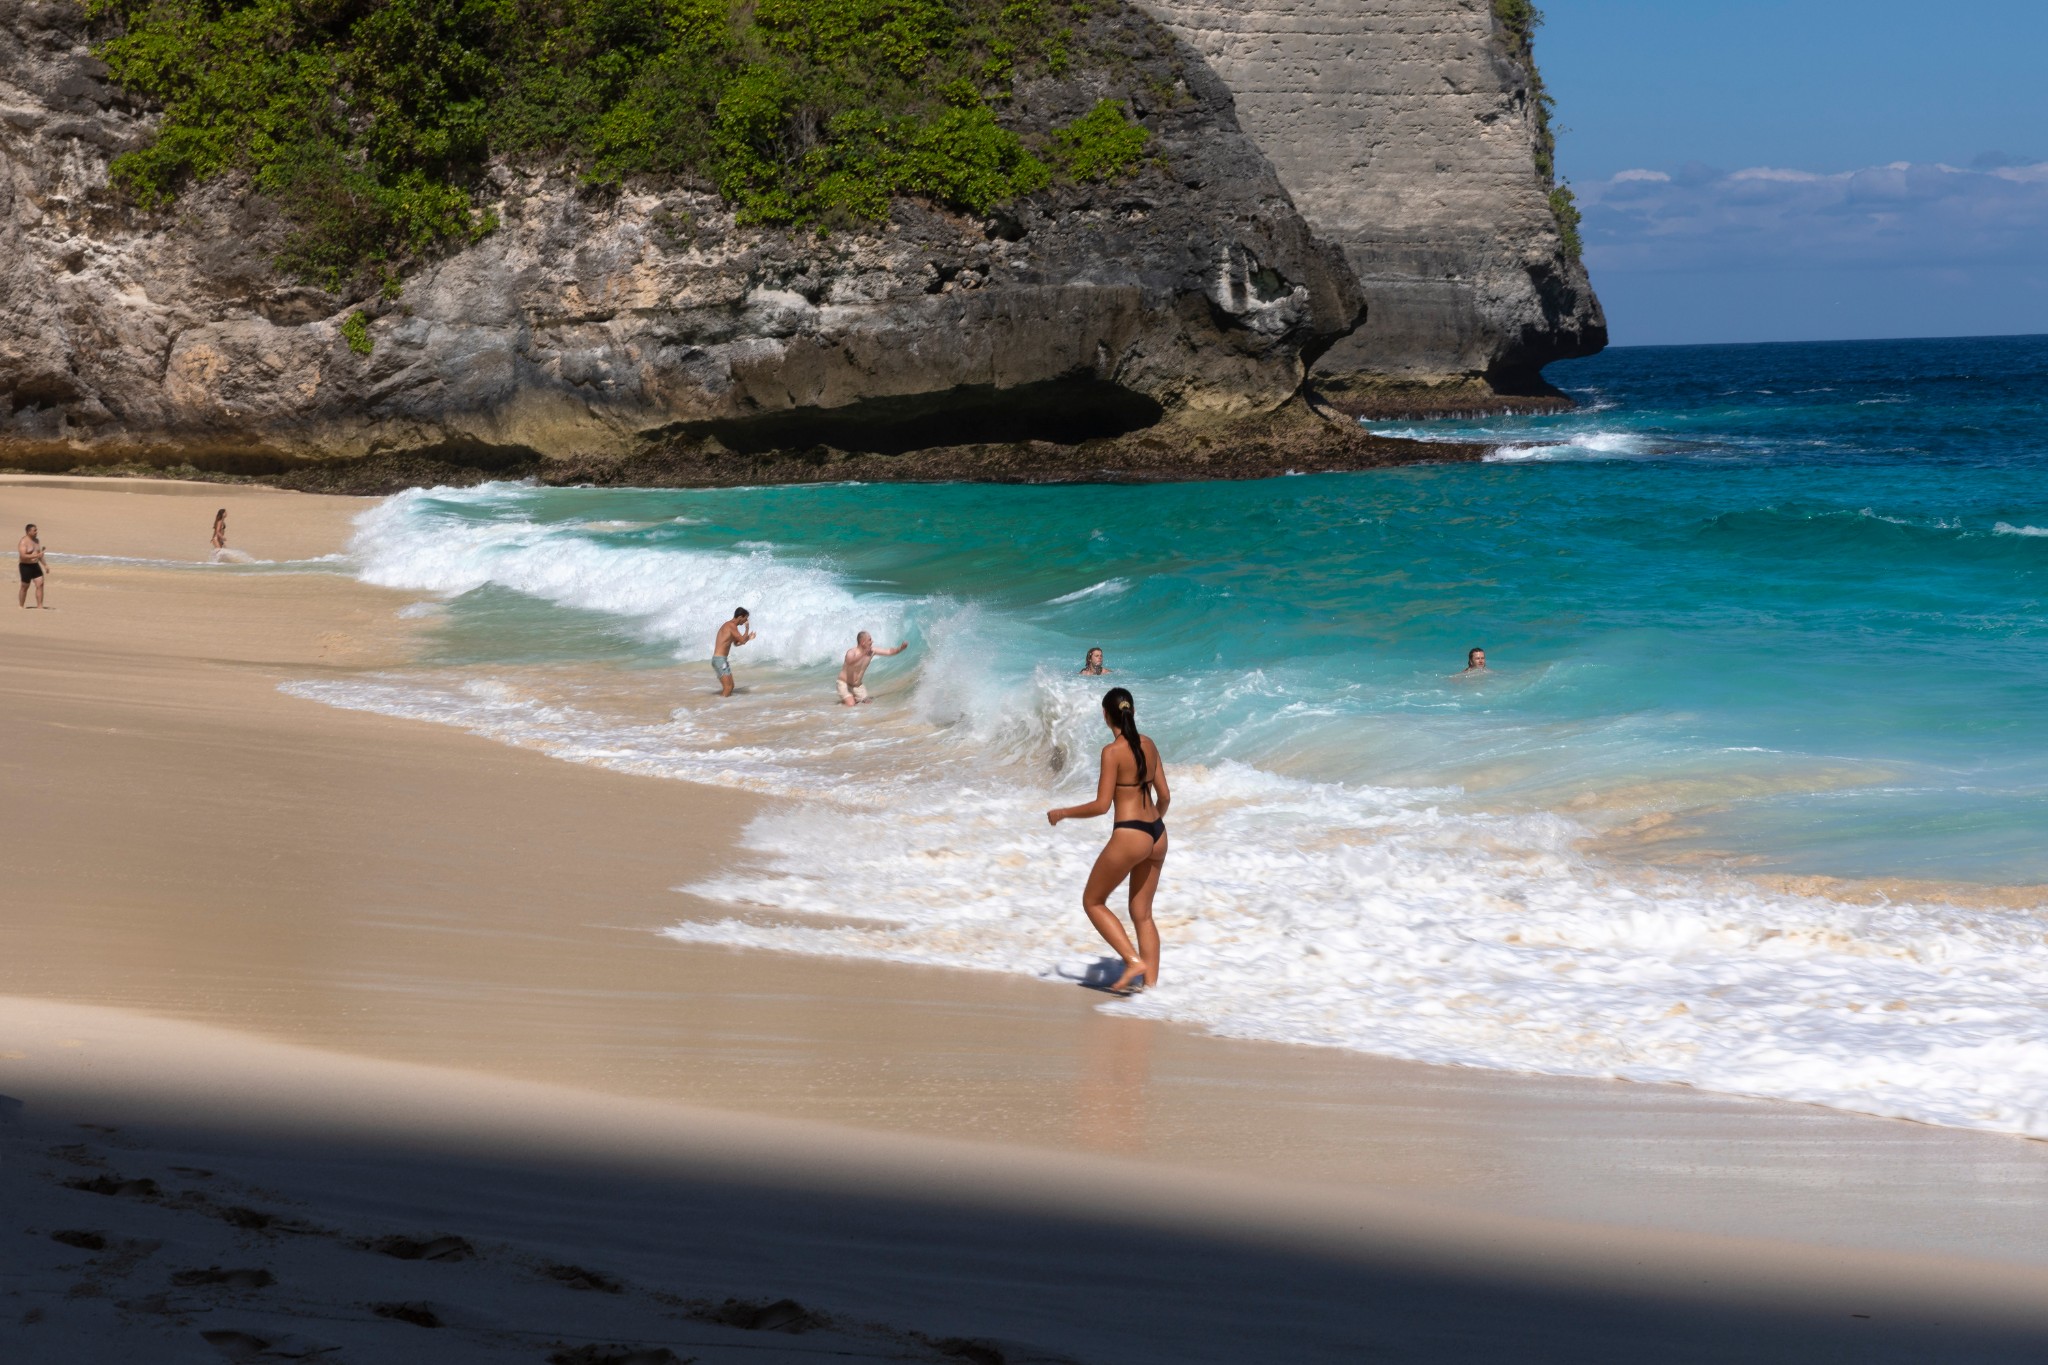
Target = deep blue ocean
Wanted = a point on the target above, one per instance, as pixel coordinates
(1768, 715)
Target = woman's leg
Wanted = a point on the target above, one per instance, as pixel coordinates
(1126, 849)
(1145, 882)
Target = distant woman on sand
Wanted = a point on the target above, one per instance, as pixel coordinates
(1091, 667)
(1133, 781)
(220, 530)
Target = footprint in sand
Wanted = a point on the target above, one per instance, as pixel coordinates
(434, 1249)
(418, 1314)
(618, 1355)
(84, 1241)
(783, 1315)
(253, 1278)
(236, 1345)
(576, 1277)
(144, 1188)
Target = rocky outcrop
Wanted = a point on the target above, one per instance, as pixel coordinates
(1294, 438)
(596, 325)
(1406, 131)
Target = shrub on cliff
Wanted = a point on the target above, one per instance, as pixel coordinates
(1518, 21)
(371, 122)
(1102, 144)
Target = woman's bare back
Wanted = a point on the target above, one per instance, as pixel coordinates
(1134, 801)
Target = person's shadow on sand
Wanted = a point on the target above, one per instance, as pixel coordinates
(1100, 975)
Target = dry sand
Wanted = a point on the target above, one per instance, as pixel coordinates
(188, 843)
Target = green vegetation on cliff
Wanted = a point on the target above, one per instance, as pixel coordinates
(1519, 20)
(371, 122)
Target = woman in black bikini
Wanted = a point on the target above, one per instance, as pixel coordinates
(1134, 782)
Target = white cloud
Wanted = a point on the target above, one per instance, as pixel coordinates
(1925, 216)
(1774, 173)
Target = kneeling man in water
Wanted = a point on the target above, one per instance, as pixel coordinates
(863, 653)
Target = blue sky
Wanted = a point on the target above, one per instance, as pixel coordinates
(1807, 169)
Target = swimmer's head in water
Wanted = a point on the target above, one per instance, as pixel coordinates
(1095, 658)
(1475, 658)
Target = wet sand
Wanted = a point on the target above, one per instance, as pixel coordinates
(187, 843)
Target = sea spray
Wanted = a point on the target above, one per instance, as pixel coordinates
(448, 542)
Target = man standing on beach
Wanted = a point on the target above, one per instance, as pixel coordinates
(863, 653)
(32, 571)
(733, 632)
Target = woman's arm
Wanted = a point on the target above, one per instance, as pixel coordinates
(1105, 793)
(1162, 795)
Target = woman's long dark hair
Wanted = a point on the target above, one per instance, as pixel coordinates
(1122, 713)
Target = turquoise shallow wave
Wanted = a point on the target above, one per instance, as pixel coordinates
(1771, 607)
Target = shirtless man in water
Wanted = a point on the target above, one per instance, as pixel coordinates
(1475, 666)
(863, 653)
(731, 634)
(32, 571)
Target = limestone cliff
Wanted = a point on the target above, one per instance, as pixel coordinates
(1408, 132)
(599, 324)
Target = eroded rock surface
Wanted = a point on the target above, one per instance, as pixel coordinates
(1405, 132)
(591, 325)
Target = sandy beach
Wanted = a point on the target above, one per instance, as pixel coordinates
(378, 979)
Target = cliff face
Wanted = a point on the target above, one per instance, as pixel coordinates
(1407, 133)
(595, 324)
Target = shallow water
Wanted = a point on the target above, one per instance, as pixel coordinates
(1752, 610)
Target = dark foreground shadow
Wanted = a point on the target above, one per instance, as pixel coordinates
(148, 1241)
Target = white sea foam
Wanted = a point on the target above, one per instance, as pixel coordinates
(1108, 587)
(1397, 921)
(1357, 918)
(801, 611)
(2006, 528)
(220, 559)
(1591, 445)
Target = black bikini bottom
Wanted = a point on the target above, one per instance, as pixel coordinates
(1155, 828)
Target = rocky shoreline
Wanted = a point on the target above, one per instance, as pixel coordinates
(1295, 439)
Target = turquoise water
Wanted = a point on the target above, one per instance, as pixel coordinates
(1791, 593)
(1751, 611)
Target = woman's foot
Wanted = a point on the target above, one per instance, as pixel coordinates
(1134, 971)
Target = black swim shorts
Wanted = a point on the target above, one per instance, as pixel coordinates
(31, 572)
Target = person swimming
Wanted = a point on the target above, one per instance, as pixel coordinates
(1091, 667)
(1475, 666)
(1133, 783)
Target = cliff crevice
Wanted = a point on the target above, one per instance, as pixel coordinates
(1411, 133)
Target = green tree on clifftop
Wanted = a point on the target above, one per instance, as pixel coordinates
(371, 122)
